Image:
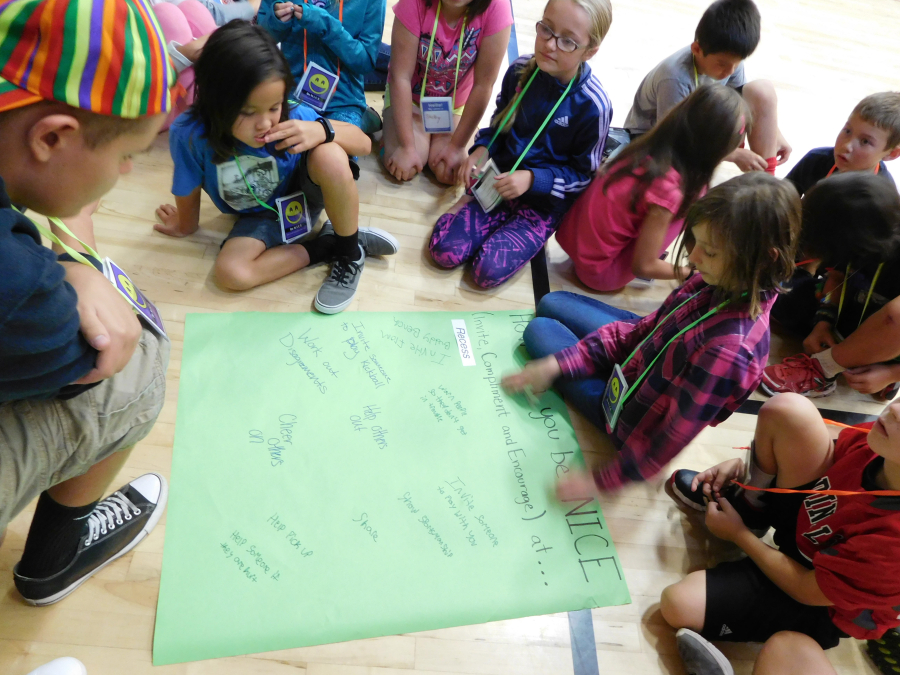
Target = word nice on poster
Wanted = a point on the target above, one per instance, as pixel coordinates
(345, 477)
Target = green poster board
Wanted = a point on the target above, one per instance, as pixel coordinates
(345, 477)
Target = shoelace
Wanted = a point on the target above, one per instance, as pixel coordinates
(343, 270)
(806, 363)
(112, 511)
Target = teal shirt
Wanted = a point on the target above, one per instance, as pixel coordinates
(354, 43)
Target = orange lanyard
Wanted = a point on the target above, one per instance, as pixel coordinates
(341, 19)
(834, 168)
(835, 493)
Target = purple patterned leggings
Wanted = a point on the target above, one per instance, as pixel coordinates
(498, 243)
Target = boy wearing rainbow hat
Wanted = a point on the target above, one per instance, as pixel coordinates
(84, 84)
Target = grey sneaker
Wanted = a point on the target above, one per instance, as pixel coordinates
(700, 657)
(340, 287)
(374, 241)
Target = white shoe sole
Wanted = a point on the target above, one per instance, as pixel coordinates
(148, 528)
(683, 498)
(719, 658)
(807, 394)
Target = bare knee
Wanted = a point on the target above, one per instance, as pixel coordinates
(783, 407)
(761, 97)
(789, 653)
(683, 605)
(234, 275)
(329, 166)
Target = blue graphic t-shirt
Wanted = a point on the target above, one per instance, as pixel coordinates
(266, 170)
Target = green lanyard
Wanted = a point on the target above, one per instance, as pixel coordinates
(458, 55)
(696, 76)
(513, 109)
(45, 231)
(247, 183)
(684, 330)
(868, 295)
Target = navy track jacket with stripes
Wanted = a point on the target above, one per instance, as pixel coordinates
(568, 152)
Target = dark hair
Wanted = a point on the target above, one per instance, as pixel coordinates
(237, 58)
(693, 139)
(851, 217)
(473, 9)
(730, 26)
(883, 111)
(755, 220)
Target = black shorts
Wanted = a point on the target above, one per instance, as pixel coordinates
(744, 605)
(264, 225)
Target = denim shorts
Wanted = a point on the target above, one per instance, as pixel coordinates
(44, 442)
(264, 225)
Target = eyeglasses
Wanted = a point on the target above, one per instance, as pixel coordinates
(564, 44)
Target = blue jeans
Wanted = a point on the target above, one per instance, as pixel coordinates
(561, 320)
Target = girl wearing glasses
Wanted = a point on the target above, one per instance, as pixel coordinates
(448, 52)
(546, 139)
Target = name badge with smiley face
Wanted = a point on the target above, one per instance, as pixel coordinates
(293, 215)
(144, 308)
(317, 87)
(614, 396)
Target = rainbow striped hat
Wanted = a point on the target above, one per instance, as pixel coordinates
(105, 56)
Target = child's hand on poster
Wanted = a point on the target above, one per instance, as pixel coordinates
(537, 376)
(577, 484)
(515, 184)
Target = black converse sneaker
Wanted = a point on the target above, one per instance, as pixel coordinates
(115, 526)
(678, 487)
(700, 657)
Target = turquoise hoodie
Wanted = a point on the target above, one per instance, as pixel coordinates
(354, 43)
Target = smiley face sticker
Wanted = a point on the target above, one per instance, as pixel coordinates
(318, 83)
(293, 215)
(316, 87)
(293, 212)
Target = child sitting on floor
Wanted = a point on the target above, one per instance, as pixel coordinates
(851, 221)
(635, 208)
(440, 51)
(691, 363)
(342, 40)
(246, 146)
(545, 141)
(869, 138)
(727, 34)
(836, 571)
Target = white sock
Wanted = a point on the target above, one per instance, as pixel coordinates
(830, 367)
(179, 61)
(758, 478)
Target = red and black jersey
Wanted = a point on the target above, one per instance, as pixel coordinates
(853, 542)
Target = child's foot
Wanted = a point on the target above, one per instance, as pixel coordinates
(115, 526)
(800, 374)
(64, 666)
(340, 287)
(375, 241)
(700, 657)
(678, 487)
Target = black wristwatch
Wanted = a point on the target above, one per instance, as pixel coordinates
(329, 130)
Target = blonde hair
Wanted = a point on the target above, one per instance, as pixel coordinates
(600, 14)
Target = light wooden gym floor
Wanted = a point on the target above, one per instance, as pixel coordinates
(823, 55)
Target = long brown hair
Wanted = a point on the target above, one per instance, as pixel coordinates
(693, 139)
(600, 13)
(754, 220)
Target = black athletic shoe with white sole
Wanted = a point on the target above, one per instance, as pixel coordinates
(700, 657)
(115, 526)
(679, 487)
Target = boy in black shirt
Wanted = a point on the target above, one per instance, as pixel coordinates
(80, 380)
